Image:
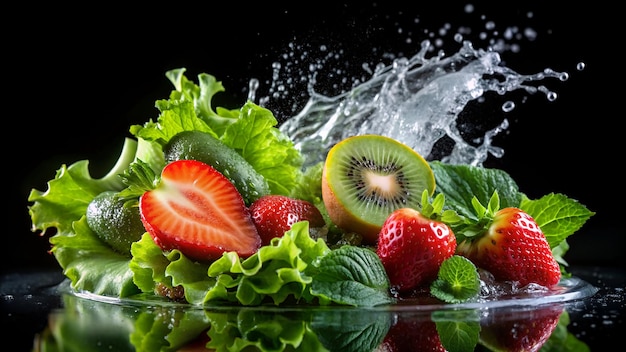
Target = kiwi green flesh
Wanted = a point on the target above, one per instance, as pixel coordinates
(372, 175)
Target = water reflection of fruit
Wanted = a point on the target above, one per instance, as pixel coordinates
(524, 329)
(409, 334)
(91, 325)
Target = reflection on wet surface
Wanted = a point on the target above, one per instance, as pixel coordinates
(32, 304)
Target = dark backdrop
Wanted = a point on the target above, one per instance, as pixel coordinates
(76, 79)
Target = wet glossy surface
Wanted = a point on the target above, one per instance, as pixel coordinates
(569, 290)
(35, 312)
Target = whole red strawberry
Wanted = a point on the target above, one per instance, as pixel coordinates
(273, 215)
(198, 211)
(512, 248)
(412, 246)
(521, 330)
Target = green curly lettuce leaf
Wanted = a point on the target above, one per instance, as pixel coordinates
(257, 331)
(292, 269)
(66, 199)
(276, 272)
(88, 325)
(89, 263)
(250, 130)
(85, 260)
(168, 329)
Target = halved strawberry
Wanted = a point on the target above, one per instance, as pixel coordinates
(412, 245)
(510, 245)
(274, 214)
(198, 211)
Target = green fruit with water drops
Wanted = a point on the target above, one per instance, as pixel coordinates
(196, 145)
(117, 225)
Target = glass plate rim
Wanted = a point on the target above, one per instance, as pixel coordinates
(569, 289)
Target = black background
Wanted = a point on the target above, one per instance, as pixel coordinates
(76, 78)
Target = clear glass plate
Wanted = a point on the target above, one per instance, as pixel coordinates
(503, 322)
(568, 289)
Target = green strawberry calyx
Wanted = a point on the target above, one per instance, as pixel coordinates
(466, 228)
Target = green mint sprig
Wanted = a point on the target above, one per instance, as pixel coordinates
(458, 280)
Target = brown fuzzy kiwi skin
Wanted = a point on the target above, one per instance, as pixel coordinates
(345, 220)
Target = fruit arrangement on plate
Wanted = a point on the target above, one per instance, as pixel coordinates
(211, 206)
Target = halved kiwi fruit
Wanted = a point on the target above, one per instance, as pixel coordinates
(367, 177)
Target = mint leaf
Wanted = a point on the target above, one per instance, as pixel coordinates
(557, 215)
(457, 281)
(352, 275)
(349, 331)
(461, 183)
(458, 331)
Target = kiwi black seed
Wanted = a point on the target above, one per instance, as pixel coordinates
(367, 177)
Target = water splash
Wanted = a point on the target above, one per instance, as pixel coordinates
(421, 100)
(417, 101)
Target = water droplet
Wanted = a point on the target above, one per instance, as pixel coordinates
(552, 96)
(253, 86)
(530, 34)
(508, 106)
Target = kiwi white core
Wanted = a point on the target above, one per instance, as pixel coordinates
(384, 185)
(369, 176)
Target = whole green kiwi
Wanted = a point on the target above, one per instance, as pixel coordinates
(115, 224)
(196, 145)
